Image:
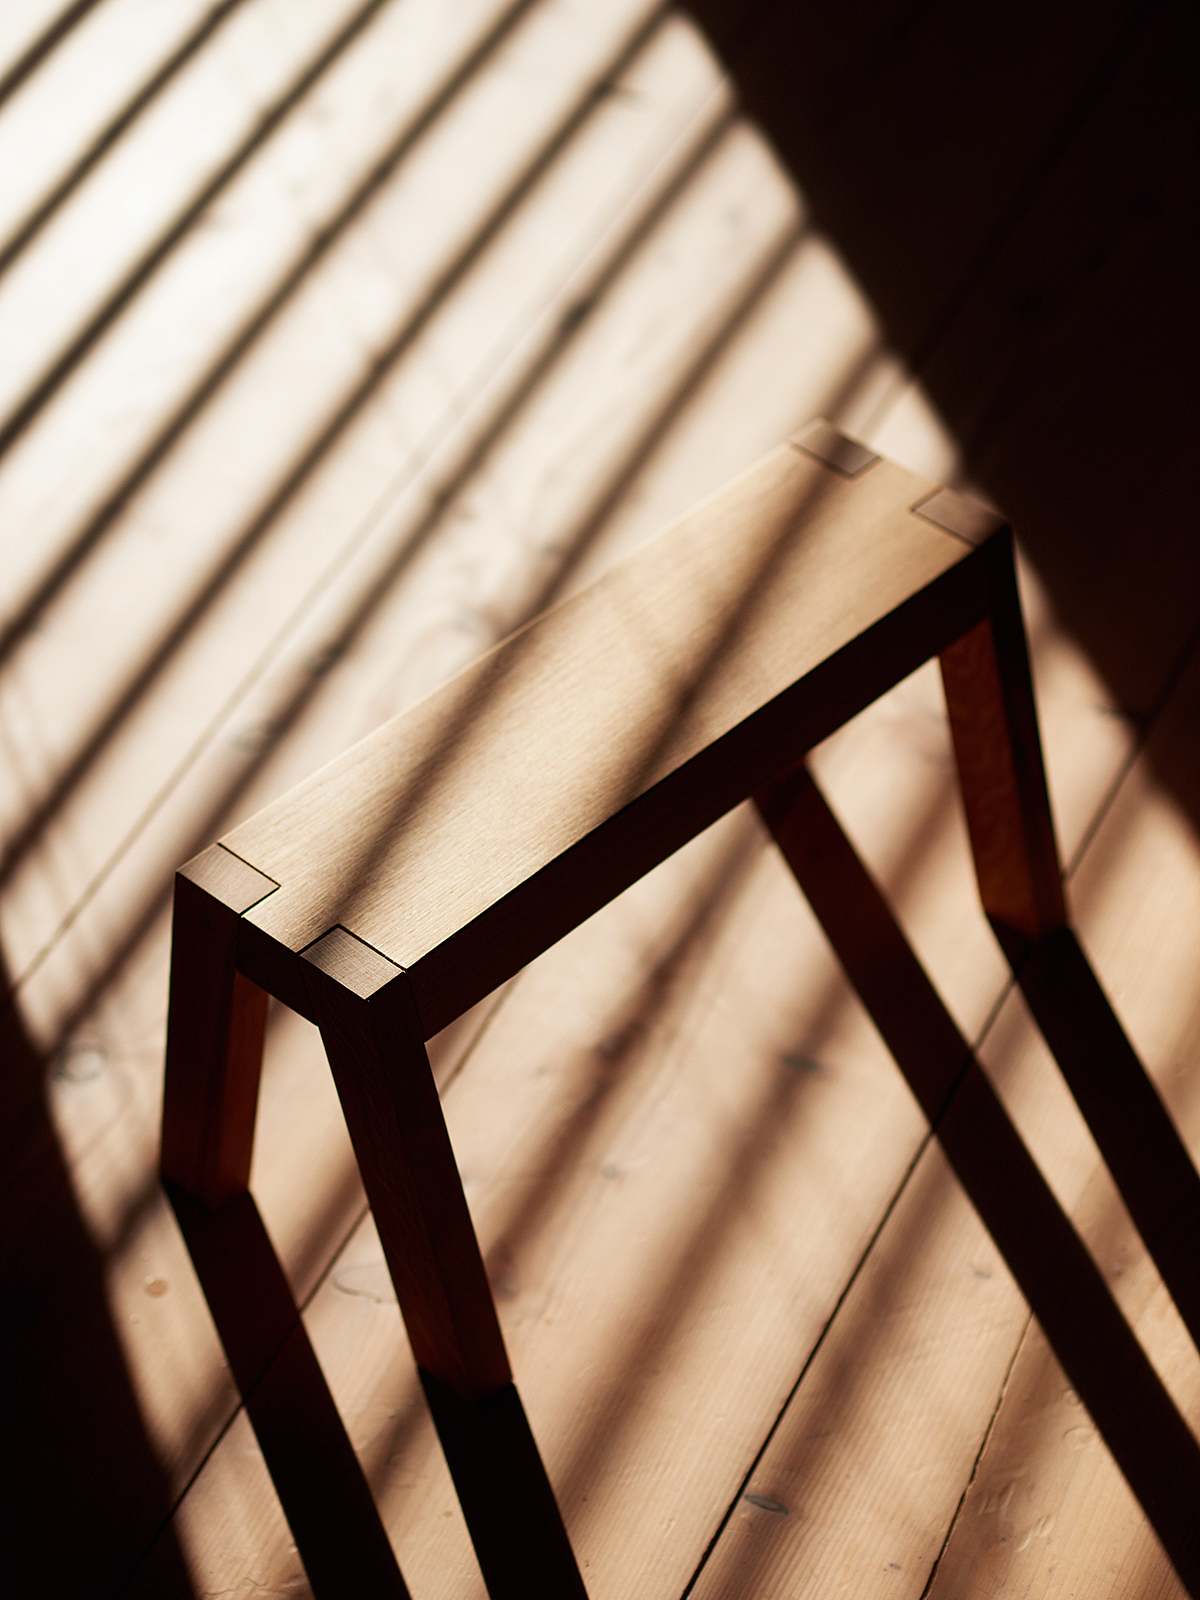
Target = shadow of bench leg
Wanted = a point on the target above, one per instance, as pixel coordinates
(320, 1482)
(376, 1050)
(1133, 1411)
(989, 695)
(1141, 1146)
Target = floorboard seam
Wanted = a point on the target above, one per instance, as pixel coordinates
(987, 1433)
(929, 1136)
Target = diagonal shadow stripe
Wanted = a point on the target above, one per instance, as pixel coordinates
(27, 230)
(44, 388)
(1121, 1106)
(281, 494)
(1103, 1360)
(308, 1453)
(247, 335)
(36, 52)
(350, 406)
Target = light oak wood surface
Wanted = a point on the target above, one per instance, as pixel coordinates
(624, 685)
(369, 1009)
(772, 615)
(610, 355)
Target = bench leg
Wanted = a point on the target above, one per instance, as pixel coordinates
(989, 695)
(214, 1060)
(215, 1025)
(376, 1050)
(993, 722)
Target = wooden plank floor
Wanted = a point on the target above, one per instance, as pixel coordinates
(341, 338)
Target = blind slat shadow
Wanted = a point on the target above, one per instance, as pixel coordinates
(252, 328)
(219, 807)
(60, 367)
(317, 449)
(39, 48)
(27, 229)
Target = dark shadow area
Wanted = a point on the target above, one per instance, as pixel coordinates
(1132, 1410)
(85, 1492)
(303, 1439)
(1015, 189)
(1149, 1163)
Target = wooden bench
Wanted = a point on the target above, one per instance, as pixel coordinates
(405, 881)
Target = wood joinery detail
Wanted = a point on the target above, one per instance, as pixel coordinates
(401, 884)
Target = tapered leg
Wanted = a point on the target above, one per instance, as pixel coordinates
(215, 1025)
(993, 721)
(990, 699)
(214, 1060)
(362, 1005)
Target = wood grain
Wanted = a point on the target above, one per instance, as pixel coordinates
(703, 633)
(655, 312)
(396, 1125)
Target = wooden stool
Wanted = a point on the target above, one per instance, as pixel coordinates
(398, 886)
